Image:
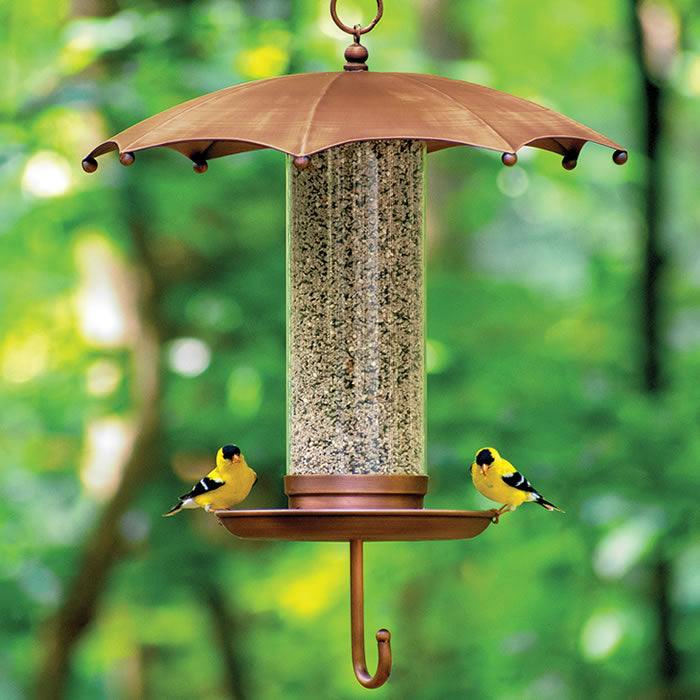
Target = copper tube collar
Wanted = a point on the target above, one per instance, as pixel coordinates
(355, 491)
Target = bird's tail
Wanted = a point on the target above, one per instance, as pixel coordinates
(548, 505)
(173, 510)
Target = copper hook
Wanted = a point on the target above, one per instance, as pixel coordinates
(357, 627)
(355, 31)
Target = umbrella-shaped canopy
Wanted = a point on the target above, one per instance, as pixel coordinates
(306, 113)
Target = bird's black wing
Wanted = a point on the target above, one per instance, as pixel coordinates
(518, 481)
(203, 486)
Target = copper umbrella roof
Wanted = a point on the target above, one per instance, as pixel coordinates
(306, 113)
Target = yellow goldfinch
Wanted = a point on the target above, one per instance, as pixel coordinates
(226, 485)
(498, 480)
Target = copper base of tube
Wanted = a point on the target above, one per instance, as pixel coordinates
(355, 491)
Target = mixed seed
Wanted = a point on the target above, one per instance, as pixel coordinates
(356, 310)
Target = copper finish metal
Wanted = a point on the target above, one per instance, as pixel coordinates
(89, 165)
(355, 491)
(620, 157)
(356, 55)
(357, 526)
(357, 627)
(351, 514)
(310, 112)
(569, 162)
(301, 162)
(342, 525)
(357, 30)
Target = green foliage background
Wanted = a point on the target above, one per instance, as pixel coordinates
(535, 346)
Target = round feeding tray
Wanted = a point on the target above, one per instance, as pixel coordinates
(369, 525)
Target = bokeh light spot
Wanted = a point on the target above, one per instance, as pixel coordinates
(262, 62)
(189, 356)
(602, 634)
(105, 299)
(24, 358)
(108, 444)
(47, 174)
(312, 592)
(39, 582)
(103, 377)
(622, 548)
(513, 182)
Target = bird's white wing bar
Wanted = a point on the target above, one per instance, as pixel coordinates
(203, 486)
(518, 481)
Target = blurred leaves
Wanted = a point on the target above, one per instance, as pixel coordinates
(533, 279)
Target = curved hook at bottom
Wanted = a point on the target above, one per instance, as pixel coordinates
(383, 663)
(357, 627)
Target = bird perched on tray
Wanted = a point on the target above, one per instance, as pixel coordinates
(226, 485)
(497, 479)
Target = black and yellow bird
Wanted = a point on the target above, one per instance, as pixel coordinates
(497, 479)
(226, 485)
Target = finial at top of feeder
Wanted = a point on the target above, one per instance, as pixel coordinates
(356, 54)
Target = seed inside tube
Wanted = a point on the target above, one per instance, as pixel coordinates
(356, 316)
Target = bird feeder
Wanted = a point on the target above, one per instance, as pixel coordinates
(355, 143)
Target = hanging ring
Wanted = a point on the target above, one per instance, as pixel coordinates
(357, 30)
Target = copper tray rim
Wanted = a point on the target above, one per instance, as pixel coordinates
(344, 512)
(344, 525)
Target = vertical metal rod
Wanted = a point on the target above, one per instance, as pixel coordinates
(357, 627)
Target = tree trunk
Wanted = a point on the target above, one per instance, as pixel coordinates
(653, 260)
(227, 633)
(653, 93)
(104, 545)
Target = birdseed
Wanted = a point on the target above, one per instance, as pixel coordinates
(356, 348)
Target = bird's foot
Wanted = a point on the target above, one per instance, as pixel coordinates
(497, 512)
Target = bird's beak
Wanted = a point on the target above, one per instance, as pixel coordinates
(484, 469)
(236, 458)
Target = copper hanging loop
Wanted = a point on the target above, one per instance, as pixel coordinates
(357, 626)
(356, 54)
(356, 31)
